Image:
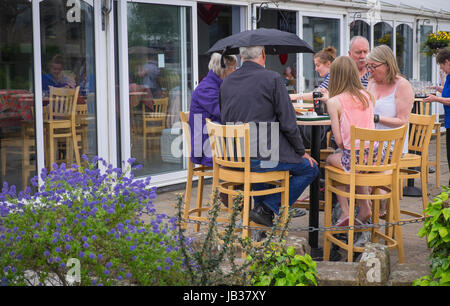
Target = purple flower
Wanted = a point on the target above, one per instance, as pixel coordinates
(92, 256)
(128, 275)
(68, 247)
(106, 271)
(46, 253)
(85, 245)
(93, 237)
(81, 254)
(35, 236)
(109, 264)
(57, 249)
(133, 247)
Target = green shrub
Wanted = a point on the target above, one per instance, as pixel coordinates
(437, 230)
(282, 267)
(93, 217)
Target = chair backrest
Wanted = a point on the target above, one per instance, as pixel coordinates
(159, 109)
(380, 150)
(420, 132)
(62, 103)
(184, 117)
(230, 144)
(422, 108)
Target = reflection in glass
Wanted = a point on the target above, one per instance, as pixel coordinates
(160, 75)
(319, 33)
(285, 64)
(214, 22)
(68, 61)
(382, 33)
(404, 48)
(424, 60)
(360, 28)
(17, 121)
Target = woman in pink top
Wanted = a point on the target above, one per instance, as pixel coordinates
(350, 104)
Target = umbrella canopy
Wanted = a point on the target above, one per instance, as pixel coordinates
(274, 41)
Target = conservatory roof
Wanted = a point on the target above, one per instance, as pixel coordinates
(429, 6)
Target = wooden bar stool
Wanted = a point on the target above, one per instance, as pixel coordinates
(380, 171)
(201, 172)
(419, 140)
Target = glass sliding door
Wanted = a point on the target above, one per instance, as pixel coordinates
(160, 79)
(425, 69)
(17, 119)
(68, 61)
(382, 33)
(320, 33)
(284, 64)
(214, 22)
(404, 49)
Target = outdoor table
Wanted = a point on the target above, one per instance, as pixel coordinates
(313, 237)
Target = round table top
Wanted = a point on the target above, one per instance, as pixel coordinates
(314, 122)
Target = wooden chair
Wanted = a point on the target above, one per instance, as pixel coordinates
(423, 108)
(81, 127)
(59, 122)
(230, 146)
(154, 122)
(374, 173)
(199, 171)
(419, 140)
(24, 145)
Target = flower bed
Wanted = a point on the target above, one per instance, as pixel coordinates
(85, 227)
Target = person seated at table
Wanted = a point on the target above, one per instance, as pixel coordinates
(322, 63)
(56, 76)
(288, 76)
(394, 96)
(205, 104)
(349, 104)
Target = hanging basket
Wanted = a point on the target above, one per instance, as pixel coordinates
(436, 41)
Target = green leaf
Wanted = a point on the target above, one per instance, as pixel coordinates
(290, 251)
(432, 236)
(443, 232)
(280, 282)
(445, 277)
(446, 212)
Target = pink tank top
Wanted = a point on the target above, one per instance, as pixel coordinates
(353, 113)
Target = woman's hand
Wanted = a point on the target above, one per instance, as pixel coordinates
(324, 92)
(311, 160)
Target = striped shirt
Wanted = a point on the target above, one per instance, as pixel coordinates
(364, 80)
(324, 84)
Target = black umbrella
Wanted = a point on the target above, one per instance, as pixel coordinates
(274, 41)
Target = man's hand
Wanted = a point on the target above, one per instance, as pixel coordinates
(311, 160)
(431, 98)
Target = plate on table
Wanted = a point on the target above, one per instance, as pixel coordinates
(313, 118)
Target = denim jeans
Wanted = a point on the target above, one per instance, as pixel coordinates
(301, 175)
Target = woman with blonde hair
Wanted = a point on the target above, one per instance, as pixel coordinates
(349, 104)
(394, 96)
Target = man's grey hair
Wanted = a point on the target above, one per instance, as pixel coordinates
(216, 67)
(355, 38)
(250, 53)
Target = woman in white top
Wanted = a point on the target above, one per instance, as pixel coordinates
(394, 96)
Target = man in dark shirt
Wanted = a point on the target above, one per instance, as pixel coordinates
(255, 95)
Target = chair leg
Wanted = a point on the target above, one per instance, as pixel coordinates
(75, 147)
(423, 179)
(51, 148)
(327, 211)
(187, 194)
(246, 214)
(438, 155)
(397, 228)
(351, 222)
(199, 199)
(3, 161)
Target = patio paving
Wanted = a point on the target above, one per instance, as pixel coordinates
(416, 250)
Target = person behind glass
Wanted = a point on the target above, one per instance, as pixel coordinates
(443, 59)
(349, 104)
(288, 76)
(394, 96)
(149, 72)
(254, 94)
(205, 104)
(56, 77)
(322, 63)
